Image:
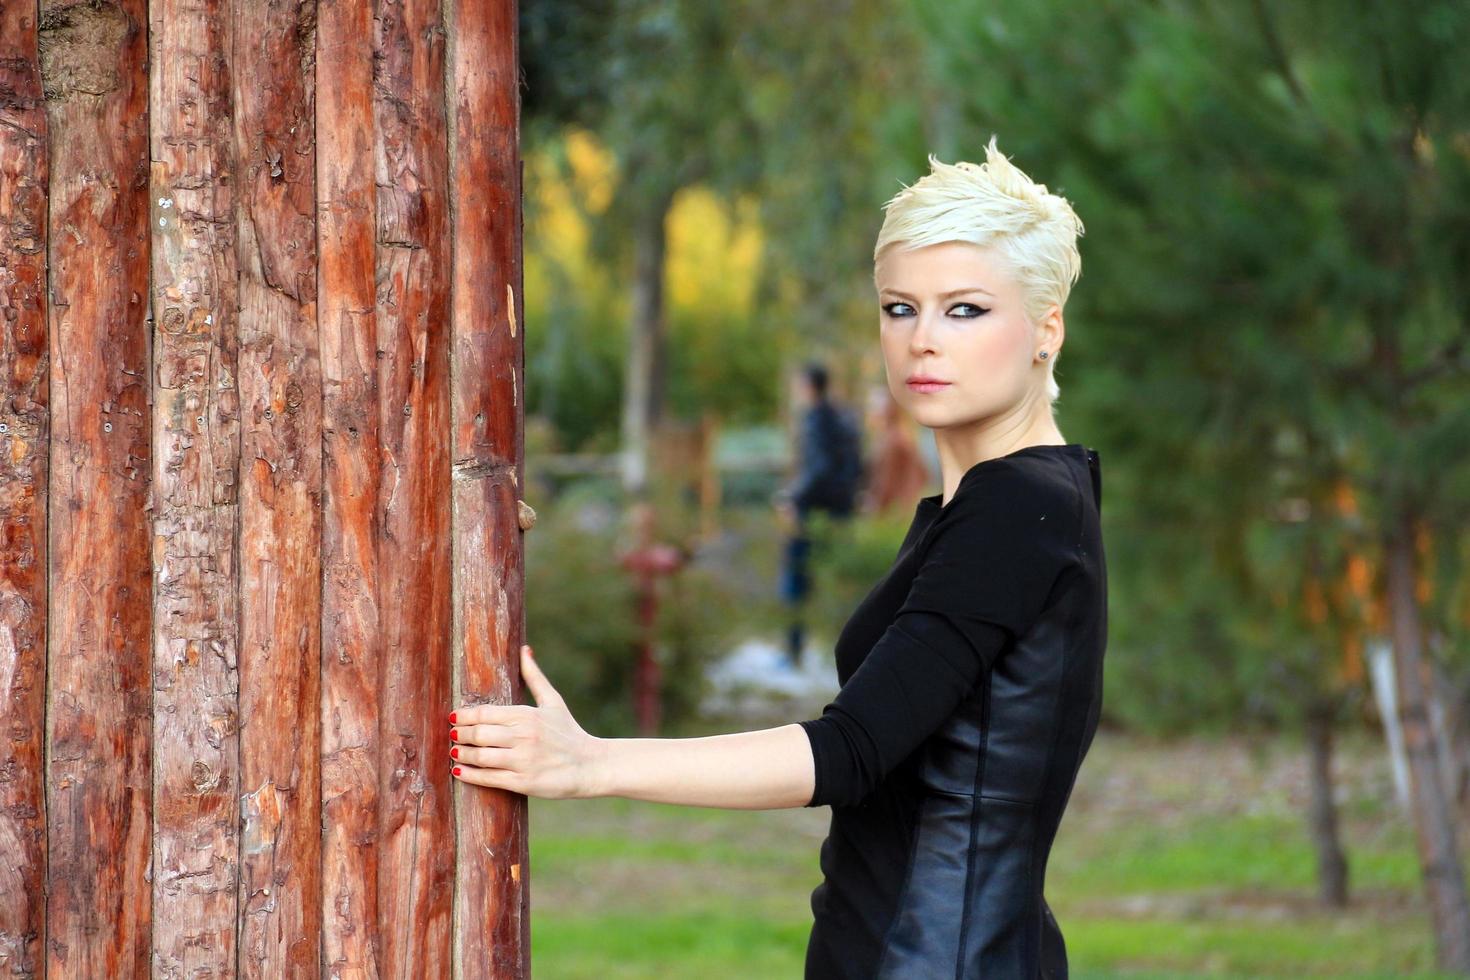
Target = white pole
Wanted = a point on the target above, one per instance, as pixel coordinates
(1380, 662)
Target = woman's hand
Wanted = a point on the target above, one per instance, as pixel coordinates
(538, 750)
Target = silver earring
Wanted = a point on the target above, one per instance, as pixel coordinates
(1042, 355)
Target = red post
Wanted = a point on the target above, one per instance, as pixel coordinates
(649, 561)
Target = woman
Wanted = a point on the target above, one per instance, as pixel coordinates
(971, 673)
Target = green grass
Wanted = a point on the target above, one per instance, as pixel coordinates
(1174, 860)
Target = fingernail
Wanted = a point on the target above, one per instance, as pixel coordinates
(454, 734)
(454, 752)
(451, 716)
(456, 770)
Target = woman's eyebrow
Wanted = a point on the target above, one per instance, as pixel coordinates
(952, 292)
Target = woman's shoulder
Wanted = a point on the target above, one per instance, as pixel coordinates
(1039, 490)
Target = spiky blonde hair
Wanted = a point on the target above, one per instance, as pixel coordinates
(993, 204)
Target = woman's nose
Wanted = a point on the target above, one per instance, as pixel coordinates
(922, 337)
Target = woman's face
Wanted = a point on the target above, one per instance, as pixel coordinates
(954, 312)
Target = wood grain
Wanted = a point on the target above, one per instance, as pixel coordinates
(416, 843)
(280, 490)
(352, 640)
(196, 432)
(24, 445)
(98, 694)
(260, 277)
(492, 921)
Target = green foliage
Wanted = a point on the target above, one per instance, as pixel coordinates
(582, 620)
(575, 348)
(579, 615)
(1272, 305)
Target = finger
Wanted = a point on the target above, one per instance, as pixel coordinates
(536, 681)
(484, 758)
(495, 778)
(489, 714)
(481, 735)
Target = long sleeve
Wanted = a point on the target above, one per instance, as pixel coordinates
(991, 561)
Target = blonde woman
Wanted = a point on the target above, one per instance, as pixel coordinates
(971, 674)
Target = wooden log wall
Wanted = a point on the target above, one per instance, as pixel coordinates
(261, 460)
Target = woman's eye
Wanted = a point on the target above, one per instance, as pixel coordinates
(903, 309)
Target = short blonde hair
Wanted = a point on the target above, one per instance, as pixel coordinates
(993, 204)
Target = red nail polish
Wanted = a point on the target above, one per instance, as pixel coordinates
(451, 716)
(456, 770)
(454, 752)
(454, 734)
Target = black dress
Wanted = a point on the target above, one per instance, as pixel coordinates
(971, 684)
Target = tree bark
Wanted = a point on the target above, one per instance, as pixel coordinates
(1332, 866)
(196, 475)
(1455, 732)
(352, 633)
(415, 831)
(24, 474)
(98, 726)
(491, 921)
(1434, 825)
(280, 519)
(643, 387)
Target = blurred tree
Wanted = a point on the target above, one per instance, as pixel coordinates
(832, 119)
(1282, 197)
(658, 98)
(736, 99)
(575, 305)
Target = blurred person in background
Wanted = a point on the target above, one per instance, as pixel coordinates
(897, 474)
(828, 479)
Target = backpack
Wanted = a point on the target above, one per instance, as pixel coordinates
(848, 440)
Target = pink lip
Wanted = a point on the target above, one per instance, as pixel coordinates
(921, 382)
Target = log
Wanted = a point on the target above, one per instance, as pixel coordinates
(99, 722)
(280, 491)
(491, 912)
(196, 432)
(352, 643)
(25, 436)
(416, 870)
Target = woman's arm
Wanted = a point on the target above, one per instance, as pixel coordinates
(766, 769)
(540, 750)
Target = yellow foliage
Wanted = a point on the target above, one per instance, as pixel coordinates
(594, 169)
(714, 252)
(558, 233)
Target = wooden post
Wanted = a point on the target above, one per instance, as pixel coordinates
(196, 478)
(99, 699)
(416, 845)
(24, 464)
(491, 908)
(261, 357)
(352, 654)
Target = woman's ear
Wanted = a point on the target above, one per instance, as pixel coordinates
(1051, 333)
